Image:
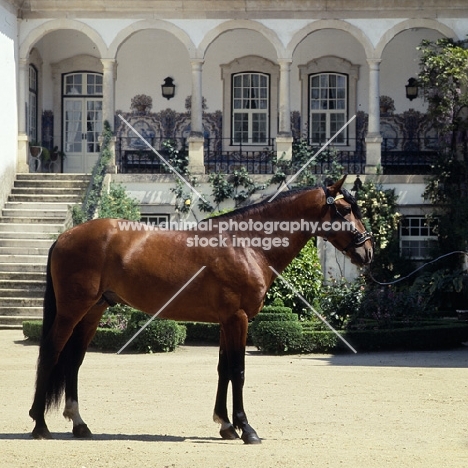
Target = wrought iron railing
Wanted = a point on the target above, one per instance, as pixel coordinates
(226, 156)
(134, 156)
(352, 157)
(408, 155)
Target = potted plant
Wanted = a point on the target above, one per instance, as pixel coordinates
(36, 150)
(141, 103)
(57, 154)
(387, 105)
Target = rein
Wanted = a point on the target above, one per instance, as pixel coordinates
(417, 269)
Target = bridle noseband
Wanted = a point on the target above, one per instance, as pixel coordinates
(359, 238)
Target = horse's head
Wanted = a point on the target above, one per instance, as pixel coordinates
(342, 225)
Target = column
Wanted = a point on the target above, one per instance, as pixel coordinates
(284, 138)
(108, 100)
(373, 137)
(23, 86)
(108, 82)
(196, 138)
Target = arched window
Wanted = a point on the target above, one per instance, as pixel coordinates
(250, 108)
(33, 101)
(328, 107)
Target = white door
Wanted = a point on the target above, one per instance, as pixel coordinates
(82, 128)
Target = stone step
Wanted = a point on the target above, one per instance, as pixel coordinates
(36, 206)
(25, 243)
(52, 176)
(32, 217)
(46, 191)
(71, 199)
(23, 313)
(28, 277)
(23, 259)
(20, 284)
(51, 228)
(31, 220)
(16, 302)
(22, 251)
(27, 235)
(24, 292)
(23, 267)
(34, 213)
(50, 184)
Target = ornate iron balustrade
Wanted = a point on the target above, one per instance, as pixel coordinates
(408, 155)
(352, 157)
(134, 156)
(222, 155)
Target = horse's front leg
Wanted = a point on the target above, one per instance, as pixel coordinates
(220, 412)
(234, 334)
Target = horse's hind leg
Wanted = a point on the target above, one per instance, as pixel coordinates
(79, 342)
(48, 387)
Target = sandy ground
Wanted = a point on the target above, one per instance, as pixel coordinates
(365, 410)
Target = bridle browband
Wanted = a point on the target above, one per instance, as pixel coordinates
(359, 238)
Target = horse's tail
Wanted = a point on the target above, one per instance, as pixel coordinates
(56, 379)
(50, 303)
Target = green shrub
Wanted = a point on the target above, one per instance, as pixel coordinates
(277, 337)
(158, 336)
(108, 339)
(305, 275)
(32, 330)
(314, 341)
(198, 332)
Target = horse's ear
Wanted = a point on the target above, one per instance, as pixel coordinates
(334, 189)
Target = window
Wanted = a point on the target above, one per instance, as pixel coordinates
(250, 108)
(417, 237)
(32, 116)
(154, 219)
(83, 84)
(328, 107)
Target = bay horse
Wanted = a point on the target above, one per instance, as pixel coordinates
(107, 261)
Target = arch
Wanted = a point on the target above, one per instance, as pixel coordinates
(232, 25)
(411, 24)
(178, 33)
(319, 25)
(60, 24)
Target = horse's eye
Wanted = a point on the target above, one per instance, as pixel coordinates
(346, 210)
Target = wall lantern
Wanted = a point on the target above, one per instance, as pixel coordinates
(168, 88)
(412, 89)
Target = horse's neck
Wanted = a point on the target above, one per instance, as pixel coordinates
(302, 208)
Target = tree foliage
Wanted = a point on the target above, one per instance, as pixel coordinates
(444, 79)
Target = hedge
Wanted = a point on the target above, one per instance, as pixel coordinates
(444, 334)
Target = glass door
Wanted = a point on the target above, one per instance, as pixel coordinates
(82, 121)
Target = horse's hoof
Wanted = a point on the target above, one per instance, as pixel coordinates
(82, 432)
(40, 433)
(229, 433)
(251, 438)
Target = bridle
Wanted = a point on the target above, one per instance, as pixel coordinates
(359, 238)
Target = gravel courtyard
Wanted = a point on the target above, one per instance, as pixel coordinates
(365, 410)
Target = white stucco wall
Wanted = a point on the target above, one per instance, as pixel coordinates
(8, 99)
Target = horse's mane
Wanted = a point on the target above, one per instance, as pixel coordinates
(257, 207)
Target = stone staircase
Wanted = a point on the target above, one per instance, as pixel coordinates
(35, 213)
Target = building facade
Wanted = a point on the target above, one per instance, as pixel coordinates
(249, 77)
